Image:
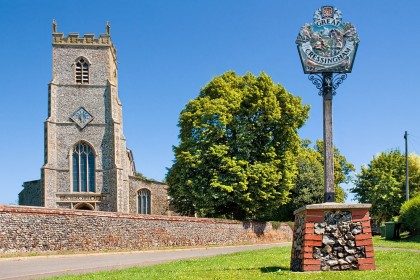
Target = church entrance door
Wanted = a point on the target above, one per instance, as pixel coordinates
(84, 206)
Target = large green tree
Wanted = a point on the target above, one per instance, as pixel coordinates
(382, 183)
(238, 148)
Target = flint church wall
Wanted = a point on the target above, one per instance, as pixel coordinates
(37, 229)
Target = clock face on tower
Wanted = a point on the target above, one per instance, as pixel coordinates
(82, 117)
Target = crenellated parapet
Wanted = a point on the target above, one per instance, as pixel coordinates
(88, 39)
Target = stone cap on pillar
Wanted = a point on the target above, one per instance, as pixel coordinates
(333, 206)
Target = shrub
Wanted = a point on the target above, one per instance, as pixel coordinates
(276, 225)
(410, 215)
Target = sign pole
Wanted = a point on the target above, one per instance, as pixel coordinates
(327, 46)
(327, 96)
(407, 188)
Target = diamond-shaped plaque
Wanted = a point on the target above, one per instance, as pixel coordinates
(82, 117)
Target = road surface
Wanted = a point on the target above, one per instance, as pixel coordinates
(54, 265)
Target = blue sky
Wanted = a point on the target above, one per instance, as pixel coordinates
(168, 50)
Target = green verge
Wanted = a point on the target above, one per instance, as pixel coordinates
(263, 264)
(407, 242)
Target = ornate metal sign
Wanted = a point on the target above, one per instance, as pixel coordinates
(328, 44)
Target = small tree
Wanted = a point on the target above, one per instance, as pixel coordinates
(309, 182)
(382, 183)
(238, 148)
(410, 215)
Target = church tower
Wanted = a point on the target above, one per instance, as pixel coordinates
(87, 164)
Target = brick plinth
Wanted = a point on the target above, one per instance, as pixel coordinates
(349, 247)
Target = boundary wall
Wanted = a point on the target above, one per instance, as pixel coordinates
(38, 229)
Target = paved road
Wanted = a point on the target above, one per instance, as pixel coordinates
(46, 266)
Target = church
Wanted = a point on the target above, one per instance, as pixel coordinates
(87, 164)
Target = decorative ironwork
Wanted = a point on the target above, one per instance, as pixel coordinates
(337, 81)
(326, 81)
(316, 79)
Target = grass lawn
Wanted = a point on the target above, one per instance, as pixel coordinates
(264, 264)
(408, 242)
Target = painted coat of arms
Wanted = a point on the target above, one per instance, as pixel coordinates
(328, 44)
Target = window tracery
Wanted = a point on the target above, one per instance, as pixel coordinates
(144, 201)
(83, 164)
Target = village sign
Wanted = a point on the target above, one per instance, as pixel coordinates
(328, 44)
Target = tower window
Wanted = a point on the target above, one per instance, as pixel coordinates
(83, 168)
(82, 71)
(144, 202)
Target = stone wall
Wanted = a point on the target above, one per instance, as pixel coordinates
(28, 229)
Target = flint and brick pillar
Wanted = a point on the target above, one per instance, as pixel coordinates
(332, 236)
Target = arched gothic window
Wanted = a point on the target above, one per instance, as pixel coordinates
(144, 201)
(83, 168)
(82, 71)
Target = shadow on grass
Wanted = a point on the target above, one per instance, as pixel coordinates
(403, 238)
(266, 269)
(271, 269)
(408, 238)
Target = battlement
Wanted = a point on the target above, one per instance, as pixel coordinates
(74, 39)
